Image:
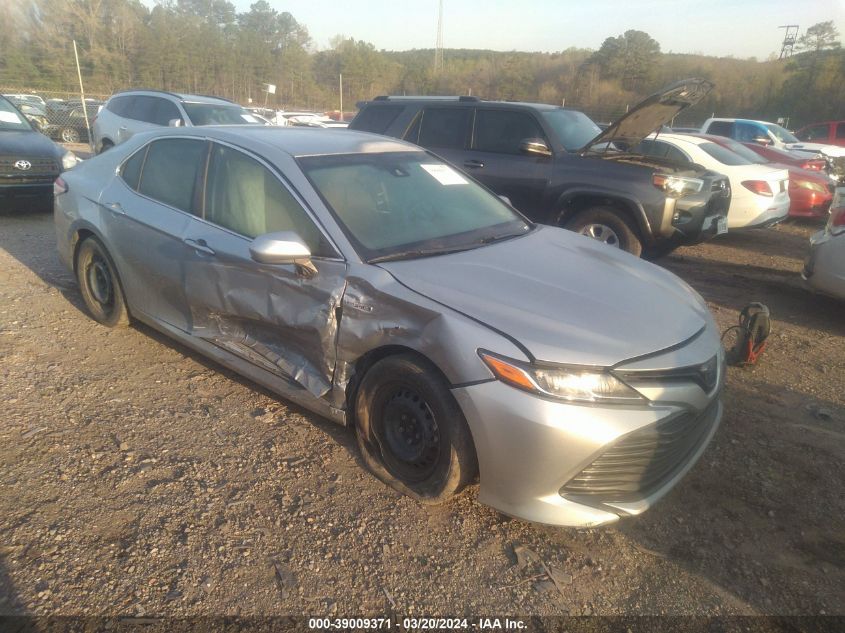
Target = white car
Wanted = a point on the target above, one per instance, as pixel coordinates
(759, 194)
(824, 268)
(766, 133)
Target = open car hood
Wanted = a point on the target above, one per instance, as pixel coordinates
(654, 111)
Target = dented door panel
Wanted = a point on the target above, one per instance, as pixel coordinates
(270, 315)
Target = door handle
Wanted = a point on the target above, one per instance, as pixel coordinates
(115, 206)
(199, 245)
(473, 164)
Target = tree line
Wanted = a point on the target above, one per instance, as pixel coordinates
(208, 47)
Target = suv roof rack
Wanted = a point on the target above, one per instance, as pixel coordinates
(423, 98)
(191, 94)
(164, 92)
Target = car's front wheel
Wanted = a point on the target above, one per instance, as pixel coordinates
(606, 224)
(411, 431)
(100, 285)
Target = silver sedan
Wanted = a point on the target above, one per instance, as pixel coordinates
(824, 268)
(368, 281)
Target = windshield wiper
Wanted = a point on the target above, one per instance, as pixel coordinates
(414, 254)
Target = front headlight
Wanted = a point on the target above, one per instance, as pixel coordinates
(677, 186)
(573, 384)
(69, 161)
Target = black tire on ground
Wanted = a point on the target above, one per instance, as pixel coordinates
(100, 285)
(411, 432)
(70, 135)
(608, 225)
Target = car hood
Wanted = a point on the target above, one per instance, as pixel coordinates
(25, 143)
(563, 296)
(653, 112)
(828, 150)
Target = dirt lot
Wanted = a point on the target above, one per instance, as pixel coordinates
(138, 478)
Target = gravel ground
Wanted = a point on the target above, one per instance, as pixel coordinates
(138, 478)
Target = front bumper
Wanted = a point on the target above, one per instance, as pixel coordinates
(535, 455)
(26, 196)
(694, 219)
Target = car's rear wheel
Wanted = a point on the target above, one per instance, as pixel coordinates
(607, 225)
(100, 285)
(411, 431)
(106, 145)
(69, 135)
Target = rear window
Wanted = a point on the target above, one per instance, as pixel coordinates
(118, 105)
(376, 118)
(724, 155)
(214, 114)
(444, 128)
(721, 128)
(170, 171)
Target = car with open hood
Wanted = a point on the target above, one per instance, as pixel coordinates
(374, 284)
(558, 167)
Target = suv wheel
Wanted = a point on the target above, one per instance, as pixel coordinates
(105, 145)
(69, 135)
(606, 225)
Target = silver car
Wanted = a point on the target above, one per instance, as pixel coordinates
(366, 280)
(824, 268)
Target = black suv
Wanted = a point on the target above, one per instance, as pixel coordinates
(558, 167)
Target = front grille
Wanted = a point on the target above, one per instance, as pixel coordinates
(640, 462)
(39, 167)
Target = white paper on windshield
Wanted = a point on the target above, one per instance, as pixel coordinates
(249, 118)
(9, 117)
(445, 175)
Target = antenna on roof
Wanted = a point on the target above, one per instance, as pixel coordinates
(789, 38)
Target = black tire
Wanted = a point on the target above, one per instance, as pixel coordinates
(70, 135)
(623, 235)
(100, 284)
(411, 432)
(105, 146)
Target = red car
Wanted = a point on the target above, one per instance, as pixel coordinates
(810, 191)
(785, 157)
(829, 132)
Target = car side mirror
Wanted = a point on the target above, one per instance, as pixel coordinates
(174, 123)
(506, 200)
(535, 146)
(284, 247)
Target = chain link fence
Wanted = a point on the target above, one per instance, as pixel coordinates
(59, 115)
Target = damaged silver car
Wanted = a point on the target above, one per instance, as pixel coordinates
(366, 280)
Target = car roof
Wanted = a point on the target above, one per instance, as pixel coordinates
(186, 97)
(456, 101)
(682, 138)
(295, 141)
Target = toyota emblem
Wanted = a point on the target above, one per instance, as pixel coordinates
(23, 165)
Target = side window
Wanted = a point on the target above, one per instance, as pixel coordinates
(164, 111)
(816, 132)
(840, 130)
(672, 153)
(747, 132)
(376, 118)
(141, 108)
(170, 171)
(245, 197)
(445, 128)
(131, 170)
(118, 105)
(721, 128)
(503, 131)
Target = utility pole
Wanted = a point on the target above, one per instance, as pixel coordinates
(438, 47)
(789, 38)
(340, 81)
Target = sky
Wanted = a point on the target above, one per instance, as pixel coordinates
(738, 28)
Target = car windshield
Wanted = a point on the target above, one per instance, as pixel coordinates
(403, 205)
(573, 129)
(724, 155)
(11, 119)
(784, 136)
(217, 114)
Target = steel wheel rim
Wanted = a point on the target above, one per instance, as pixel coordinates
(100, 283)
(601, 233)
(408, 434)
